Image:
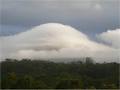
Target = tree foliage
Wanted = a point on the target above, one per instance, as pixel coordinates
(38, 74)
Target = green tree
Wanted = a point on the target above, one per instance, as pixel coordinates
(10, 80)
(89, 60)
(69, 84)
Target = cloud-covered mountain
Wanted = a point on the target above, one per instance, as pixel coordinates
(54, 40)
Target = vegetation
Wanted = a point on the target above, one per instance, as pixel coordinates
(37, 74)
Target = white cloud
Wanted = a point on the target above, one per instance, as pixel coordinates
(98, 7)
(111, 37)
(54, 40)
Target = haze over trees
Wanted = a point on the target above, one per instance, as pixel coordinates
(38, 74)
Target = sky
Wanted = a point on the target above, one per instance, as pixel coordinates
(96, 22)
(89, 16)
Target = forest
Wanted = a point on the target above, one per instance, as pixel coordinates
(41, 74)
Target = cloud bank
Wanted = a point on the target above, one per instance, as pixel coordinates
(54, 40)
(111, 37)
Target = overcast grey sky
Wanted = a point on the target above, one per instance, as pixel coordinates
(89, 16)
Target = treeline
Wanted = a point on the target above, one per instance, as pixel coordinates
(38, 74)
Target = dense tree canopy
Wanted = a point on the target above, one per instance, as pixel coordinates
(38, 74)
